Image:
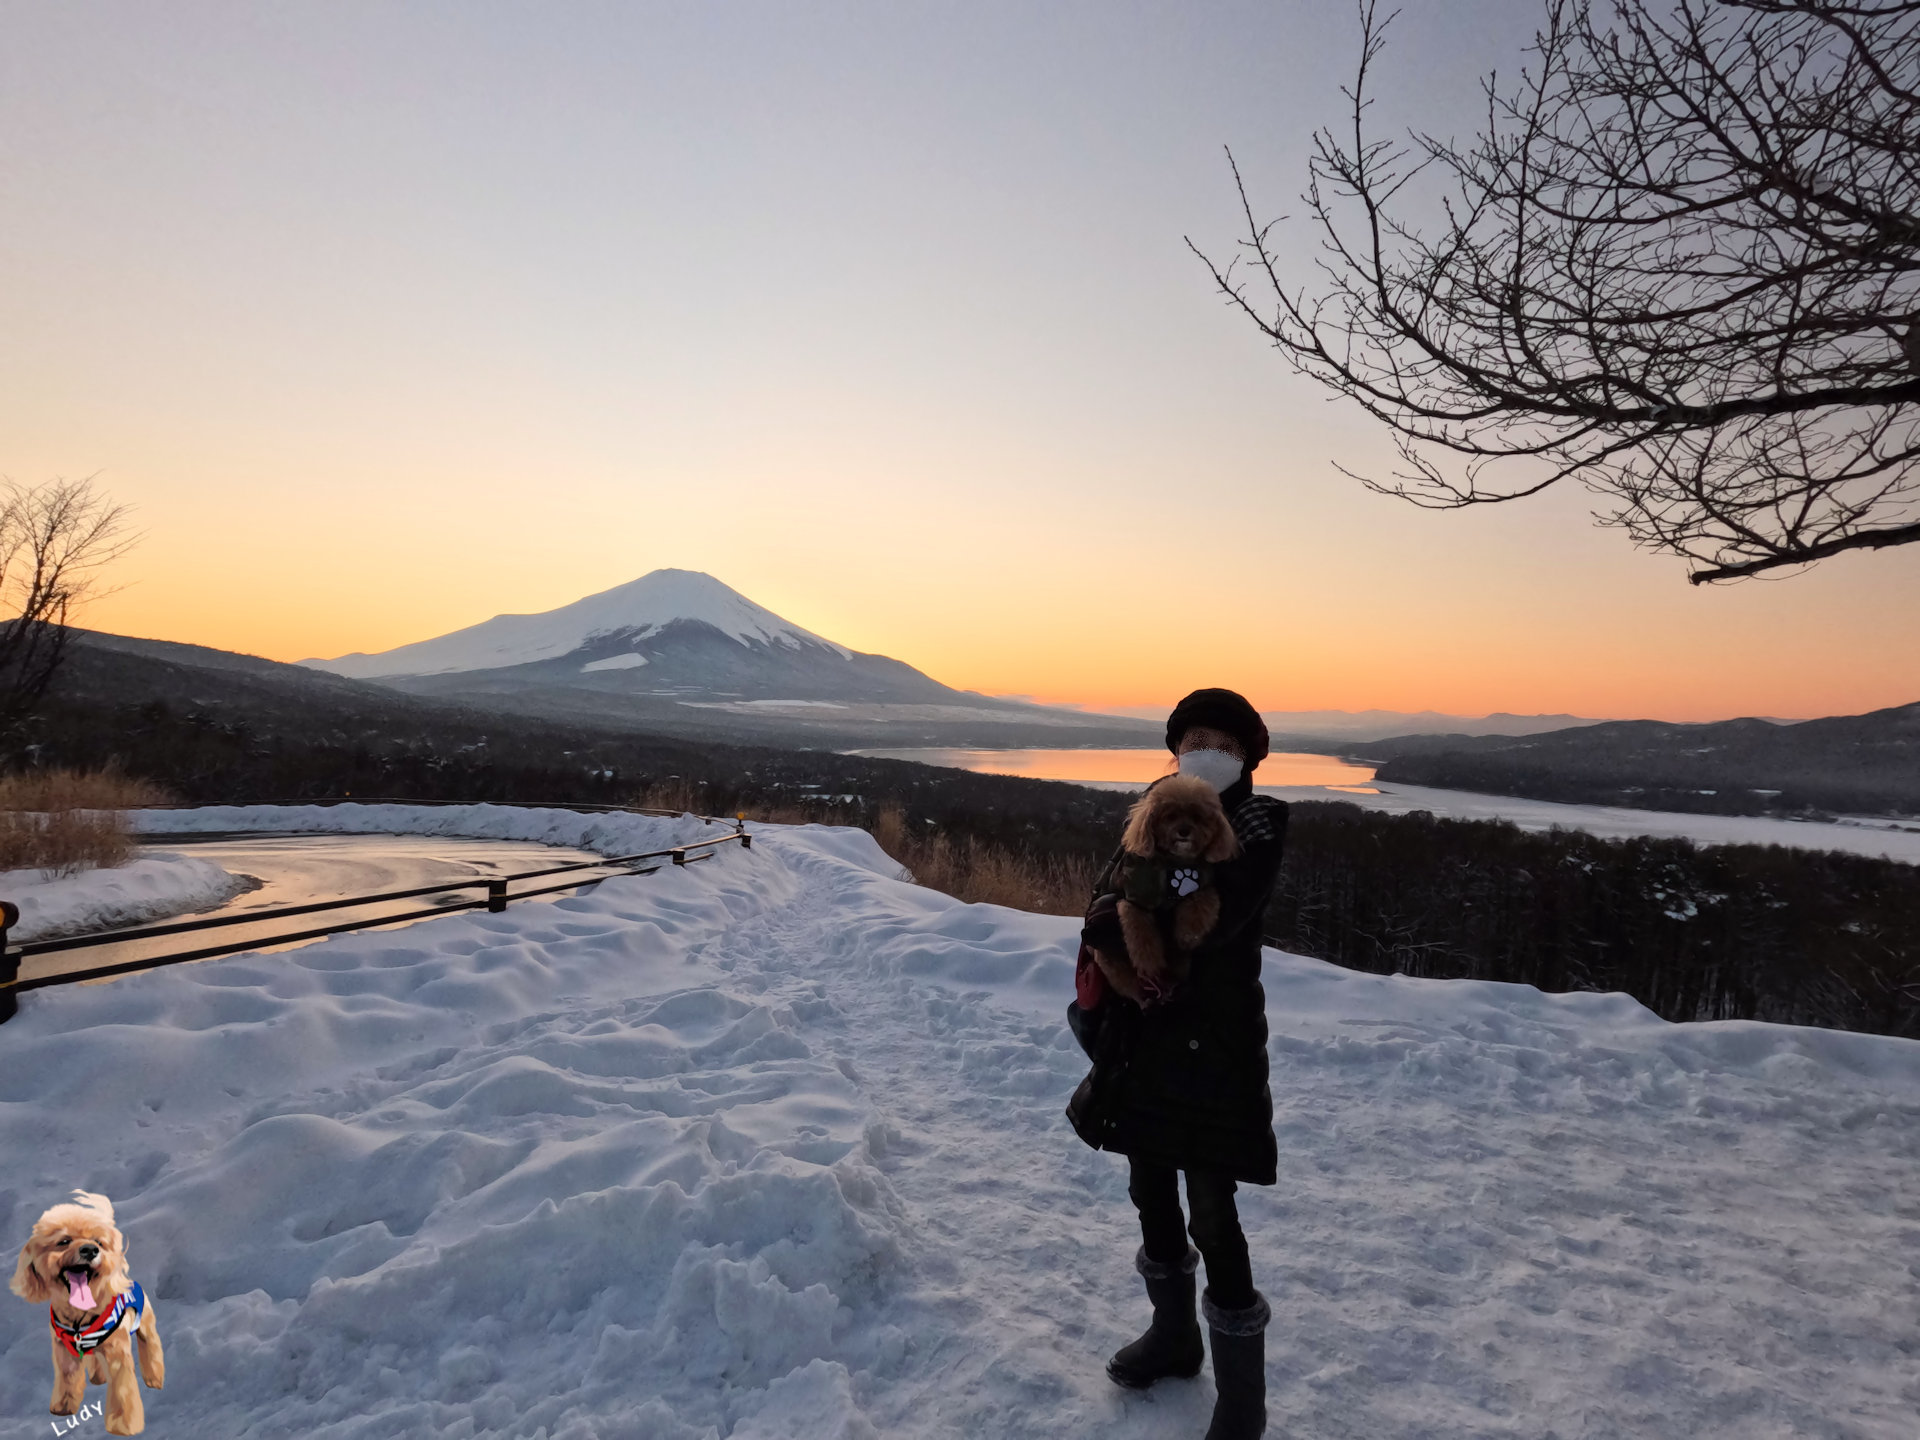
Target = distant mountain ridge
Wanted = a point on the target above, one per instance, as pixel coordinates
(1362, 725)
(270, 696)
(678, 651)
(1844, 764)
(671, 633)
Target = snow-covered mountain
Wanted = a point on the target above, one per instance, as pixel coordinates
(595, 627)
(674, 635)
(677, 651)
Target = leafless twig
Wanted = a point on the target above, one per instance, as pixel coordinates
(1680, 265)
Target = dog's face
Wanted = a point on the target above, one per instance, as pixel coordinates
(1180, 819)
(75, 1255)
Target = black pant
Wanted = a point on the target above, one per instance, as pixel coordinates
(1215, 1229)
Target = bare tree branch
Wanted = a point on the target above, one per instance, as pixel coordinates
(54, 540)
(1680, 265)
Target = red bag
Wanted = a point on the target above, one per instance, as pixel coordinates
(1089, 983)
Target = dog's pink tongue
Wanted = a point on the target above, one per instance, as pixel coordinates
(80, 1289)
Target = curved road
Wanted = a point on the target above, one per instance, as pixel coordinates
(297, 869)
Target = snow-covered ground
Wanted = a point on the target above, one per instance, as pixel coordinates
(150, 888)
(772, 1146)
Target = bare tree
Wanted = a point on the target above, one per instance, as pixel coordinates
(1680, 264)
(54, 540)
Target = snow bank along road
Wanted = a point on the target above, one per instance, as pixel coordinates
(151, 887)
(772, 1146)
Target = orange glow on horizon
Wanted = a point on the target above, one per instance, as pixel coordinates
(1075, 657)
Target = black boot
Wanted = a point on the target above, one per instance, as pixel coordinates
(1172, 1344)
(1239, 1369)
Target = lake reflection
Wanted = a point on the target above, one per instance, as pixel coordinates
(1130, 767)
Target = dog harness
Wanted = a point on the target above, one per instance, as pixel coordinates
(1161, 884)
(80, 1339)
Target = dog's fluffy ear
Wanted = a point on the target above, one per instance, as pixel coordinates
(113, 1265)
(27, 1282)
(1137, 838)
(1225, 844)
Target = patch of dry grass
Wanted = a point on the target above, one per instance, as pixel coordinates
(981, 872)
(65, 821)
(685, 797)
(963, 866)
(679, 796)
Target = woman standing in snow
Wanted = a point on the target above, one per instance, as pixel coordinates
(1181, 1085)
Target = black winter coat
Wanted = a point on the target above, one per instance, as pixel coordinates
(1184, 1083)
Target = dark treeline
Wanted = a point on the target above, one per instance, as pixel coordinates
(212, 756)
(1845, 764)
(1692, 932)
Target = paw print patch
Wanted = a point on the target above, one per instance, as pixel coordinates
(1184, 880)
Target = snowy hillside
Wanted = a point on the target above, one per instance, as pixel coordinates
(626, 612)
(772, 1146)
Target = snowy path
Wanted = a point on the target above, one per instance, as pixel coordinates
(772, 1146)
(1494, 1217)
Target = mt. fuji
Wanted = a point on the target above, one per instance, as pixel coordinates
(678, 650)
(626, 613)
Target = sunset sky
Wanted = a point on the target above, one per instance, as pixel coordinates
(390, 318)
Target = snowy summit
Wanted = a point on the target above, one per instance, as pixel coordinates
(625, 613)
(642, 653)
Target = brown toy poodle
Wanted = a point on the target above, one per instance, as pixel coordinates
(1176, 833)
(76, 1259)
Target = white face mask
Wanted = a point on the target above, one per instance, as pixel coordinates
(1216, 767)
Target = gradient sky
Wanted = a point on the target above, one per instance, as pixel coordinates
(392, 317)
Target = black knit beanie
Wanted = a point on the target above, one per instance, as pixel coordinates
(1225, 710)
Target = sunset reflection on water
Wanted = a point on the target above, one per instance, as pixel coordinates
(1133, 767)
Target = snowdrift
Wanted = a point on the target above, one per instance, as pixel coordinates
(773, 1146)
(151, 888)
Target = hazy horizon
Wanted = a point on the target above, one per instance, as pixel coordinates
(1157, 709)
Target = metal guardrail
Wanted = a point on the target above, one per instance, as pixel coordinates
(495, 900)
(585, 806)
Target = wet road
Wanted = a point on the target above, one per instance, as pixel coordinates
(299, 869)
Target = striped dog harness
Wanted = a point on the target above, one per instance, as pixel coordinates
(80, 1339)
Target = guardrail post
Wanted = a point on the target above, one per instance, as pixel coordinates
(746, 841)
(496, 896)
(9, 962)
(680, 857)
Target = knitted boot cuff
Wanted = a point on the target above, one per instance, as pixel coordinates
(1250, 1321)
(1154, 1270)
